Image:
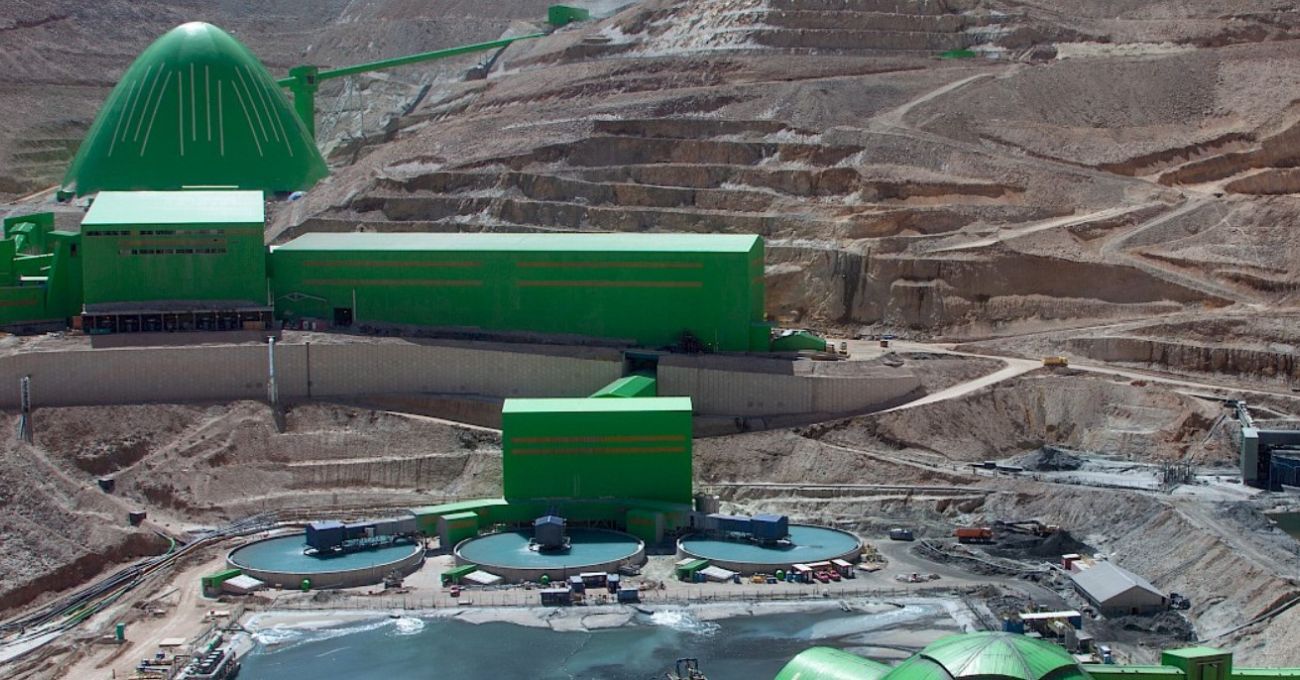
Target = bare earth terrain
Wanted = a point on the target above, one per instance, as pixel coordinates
(1110, 180)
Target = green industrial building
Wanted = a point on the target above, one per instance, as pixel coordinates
(40, 273)
(644, 289)
(636, 448)
(196, 109)
(152, 260)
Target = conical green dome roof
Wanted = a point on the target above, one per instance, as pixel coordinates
(196, 108)
(989, 655)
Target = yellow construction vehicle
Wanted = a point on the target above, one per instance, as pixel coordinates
(1056, 362)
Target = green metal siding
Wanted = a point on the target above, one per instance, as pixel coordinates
(1266, 673)
(597, 448)
(40, 271)
(1115, 672)
(646, 525)
(644, 289)
(460, 526)
(151, 259)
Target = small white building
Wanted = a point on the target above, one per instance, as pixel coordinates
(242, 585)
(1114, 590)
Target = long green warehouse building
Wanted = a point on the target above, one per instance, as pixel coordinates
(646, 289)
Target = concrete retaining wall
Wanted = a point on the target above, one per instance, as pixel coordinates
(723, 390)
(718, 385)
(233, 372)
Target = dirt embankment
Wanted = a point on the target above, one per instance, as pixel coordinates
(206, 463)
(1069, 410)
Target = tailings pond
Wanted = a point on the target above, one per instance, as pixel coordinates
(607, 643)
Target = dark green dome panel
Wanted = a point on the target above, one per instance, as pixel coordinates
(196, 108)
(996, 655)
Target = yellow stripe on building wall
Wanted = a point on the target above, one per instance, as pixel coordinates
(610, 265)
(361, 283)
(611, 284)
(389, 264)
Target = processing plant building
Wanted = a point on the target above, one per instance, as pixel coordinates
(645, 289)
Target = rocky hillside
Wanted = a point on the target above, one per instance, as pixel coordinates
(958, 167)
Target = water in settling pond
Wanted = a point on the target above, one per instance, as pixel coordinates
(510, 549)
(286, 554)
(807, 544)
(738, 648)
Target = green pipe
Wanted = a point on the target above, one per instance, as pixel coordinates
(303, 81)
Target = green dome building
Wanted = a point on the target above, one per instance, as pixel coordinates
(986, 656)
(196, 109)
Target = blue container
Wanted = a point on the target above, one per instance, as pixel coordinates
(626, 595)
(324, 536)
(727, 523)
(770, 527)
(576, 584)
(1013, 626)
(352, 532)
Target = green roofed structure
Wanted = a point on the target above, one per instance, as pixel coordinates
(597, 448)
(637, 385)
(196, 109)
(990, 655)
(653, 290)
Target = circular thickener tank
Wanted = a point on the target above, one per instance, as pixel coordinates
(508, 555)
(282, 562)
(807, 544)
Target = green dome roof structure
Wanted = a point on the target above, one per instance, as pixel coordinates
(987, 656)
(196, 108)
(990, 655)
(824, 663)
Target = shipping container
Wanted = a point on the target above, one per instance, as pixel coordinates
(577, 585)
(593, 579)
(211, 584)
(629, 595)
(612, 582)
(687, 571)
(455, 574)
